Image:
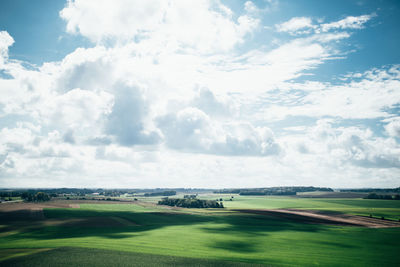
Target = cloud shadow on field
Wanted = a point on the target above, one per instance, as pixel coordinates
(80, 223)
(236, 246)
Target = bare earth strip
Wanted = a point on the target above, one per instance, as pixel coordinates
(307, 216)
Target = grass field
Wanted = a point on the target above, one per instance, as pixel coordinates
(388, 208)
(193, 237)
(100, 257)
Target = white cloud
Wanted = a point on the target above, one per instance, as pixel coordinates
(371, 96)
(103, 20)
(347, 156)
(295, 24)
(5, 41)
(164, 98)
(393, 127)
(205, 26)
(206, 101)
(352, 145)
(127, 120)
(305, 25)
(251, 8)
(258, 71)
(350, 22)
(77, 109)
(192, 130)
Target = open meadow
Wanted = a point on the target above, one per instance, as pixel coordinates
(249, 231)
(199, 133)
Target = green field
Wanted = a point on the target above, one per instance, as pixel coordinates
(127, 233)
(387, 208)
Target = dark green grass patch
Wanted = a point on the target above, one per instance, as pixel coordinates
(86, 257)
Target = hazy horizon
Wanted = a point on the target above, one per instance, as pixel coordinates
(184, 188)
(200, 94)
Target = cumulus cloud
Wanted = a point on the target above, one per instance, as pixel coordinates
(192, 130)
(370, 96)
(100, 20)
(205, 26)
(172, 77)
(341, 146)
(206, 101)
(77, 109)
(126, 121)
(393, 127)
(21, 147)
(5, 41)
(89, 69)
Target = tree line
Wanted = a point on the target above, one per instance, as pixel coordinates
(35, 197)
(373, 190)
(190, 203)
(161, 193)
(277, 191)
(386, 196)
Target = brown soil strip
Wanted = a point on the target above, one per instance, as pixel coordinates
(307, 216)
(32, 206)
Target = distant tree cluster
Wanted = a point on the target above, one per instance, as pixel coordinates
(373, 190)
(231, 191)
(72, 193)
(35, 197)
(161, 193)
(190, 203)
(276, 191)
(7, 194)
(180, 190)
(388, 197)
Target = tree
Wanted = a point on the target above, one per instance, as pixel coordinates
(41, 196)
(190, 203)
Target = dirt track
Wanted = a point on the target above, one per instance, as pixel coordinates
(307, 216)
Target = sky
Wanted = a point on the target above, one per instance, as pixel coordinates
(199, 94)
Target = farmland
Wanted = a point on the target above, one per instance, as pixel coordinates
(77, 232)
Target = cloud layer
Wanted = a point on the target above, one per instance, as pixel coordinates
(172, 94)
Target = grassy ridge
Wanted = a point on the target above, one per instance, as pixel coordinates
(222, 235)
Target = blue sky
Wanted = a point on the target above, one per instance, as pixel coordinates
(199, 94)
(38, 30)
